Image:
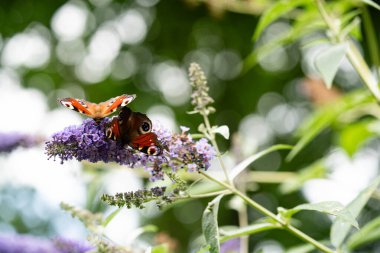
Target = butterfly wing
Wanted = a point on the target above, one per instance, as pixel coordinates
(79, 105)
(97, 111)
(147, 143)
(135, 130)
(111, 105)
(113, 130)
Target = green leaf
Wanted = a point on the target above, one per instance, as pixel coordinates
(245, 163)
(328, 207)
(210, 224)
(248, 230)
(372, 3)
(369, 233)
(223, 131)
(353, 28)
(162, 248)
(305, 23)
(110, 217)
(328, 61)
(315, 170)
(340, 227)
(276, 10)
(354, 135)
(325, 116)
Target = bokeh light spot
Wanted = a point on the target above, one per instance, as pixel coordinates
(29, 49)
(69, 21)
(172, 82)
(132, 27)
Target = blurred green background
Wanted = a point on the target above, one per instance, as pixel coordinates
(99, 49)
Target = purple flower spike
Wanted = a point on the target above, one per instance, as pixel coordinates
(31, 244)
(64, 245)
(12, 140)
(88, 142)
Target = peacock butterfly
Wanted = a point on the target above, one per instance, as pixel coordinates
(129, 128)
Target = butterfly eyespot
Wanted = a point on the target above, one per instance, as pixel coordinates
(145, 127)
(153, 150)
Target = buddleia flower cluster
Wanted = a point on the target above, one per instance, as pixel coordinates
(200, 97)
(25, 243)
(12, 140)
(137, 198)
(88, 142)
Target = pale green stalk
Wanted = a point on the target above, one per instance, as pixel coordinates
(215, 144)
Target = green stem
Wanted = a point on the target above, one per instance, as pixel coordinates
(243, 218)
(248, 230)
(213, 142)
(209, 194)
(273, 216)
(353, 53)
(203, 195)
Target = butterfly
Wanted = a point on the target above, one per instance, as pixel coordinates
(135, 130)
(129, 128)
(97, 111)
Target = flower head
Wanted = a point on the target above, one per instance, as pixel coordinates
(89, 142)
(135, 198)
(200, 97)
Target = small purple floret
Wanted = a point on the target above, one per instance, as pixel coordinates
(88, 142)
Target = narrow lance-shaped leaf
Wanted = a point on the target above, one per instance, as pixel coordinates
(327, 115)
(110, 217)
(328, 61)
(328, 207)
(276, 10)
(142, 230)
(245, 163)
(372, 3)
(210, 224)
(367, 234)
(340, 227)
(352, 137)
